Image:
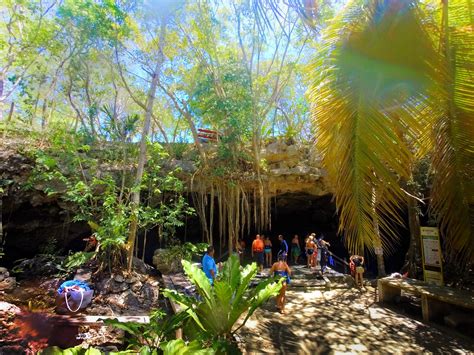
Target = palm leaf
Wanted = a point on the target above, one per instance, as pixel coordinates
(375, 62)
(231, 271)
(199, 279)
(453, 157)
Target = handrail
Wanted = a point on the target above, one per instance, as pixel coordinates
(338, 258)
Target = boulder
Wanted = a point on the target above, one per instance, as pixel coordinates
(96, 309)
(83, 275)
(130, 300)
(119, 278)
(143, 268)
(40, 265)
(6, 307)
(300, 170)
(4, 273)
(8, 284)
(118, 287)
(149, 294)
(163, 265)
(136, 287)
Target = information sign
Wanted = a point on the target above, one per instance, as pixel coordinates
(431, 249)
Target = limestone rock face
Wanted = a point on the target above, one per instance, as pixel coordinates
(36, 219)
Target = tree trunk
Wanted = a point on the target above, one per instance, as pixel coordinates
(2, 242)
(9, 118)
(413, 257)
(135, 198)
(378, 240)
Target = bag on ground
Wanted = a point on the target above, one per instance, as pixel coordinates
(74, 295)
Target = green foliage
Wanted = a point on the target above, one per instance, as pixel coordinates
(149, 336)
(78, 350)
(78, 173)
(218, 308)
(93, 20)
(178, 346)
(75, 260)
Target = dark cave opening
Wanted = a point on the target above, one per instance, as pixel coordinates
(28, 229)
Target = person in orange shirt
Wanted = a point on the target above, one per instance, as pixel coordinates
(257, 251)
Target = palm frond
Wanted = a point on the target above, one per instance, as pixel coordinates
(375, 64)
(453, 158)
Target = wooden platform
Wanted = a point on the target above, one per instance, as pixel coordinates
(98, 320)
(435, 300)
(179, 283)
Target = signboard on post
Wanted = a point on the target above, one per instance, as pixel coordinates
(431, 250)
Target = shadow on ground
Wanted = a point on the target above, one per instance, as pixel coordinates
(343, 321)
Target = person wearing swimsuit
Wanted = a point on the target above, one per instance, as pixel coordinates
(268, 251)
(357, 269)
(281, 268)
(295, 249)
(310, 254)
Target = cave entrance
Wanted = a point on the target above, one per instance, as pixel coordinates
(302, 214)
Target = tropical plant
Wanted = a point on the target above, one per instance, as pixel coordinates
(369, 83)
(452, 131)
(178, 346)
(72, 171)
(376, 95)
(77, 350)
(148, 337)
(75, 260)
(218, 309)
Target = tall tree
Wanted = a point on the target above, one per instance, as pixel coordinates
(26, 32)
(151, 47)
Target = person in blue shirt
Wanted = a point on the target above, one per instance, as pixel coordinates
(209, 265)
(283, 247)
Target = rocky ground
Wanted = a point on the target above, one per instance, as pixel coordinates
(29, 323)
(344, 321)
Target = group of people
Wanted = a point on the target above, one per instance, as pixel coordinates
(262, 250)
(316, 250)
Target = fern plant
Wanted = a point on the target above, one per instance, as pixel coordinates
(218, 308)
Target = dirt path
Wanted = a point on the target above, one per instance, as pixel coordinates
(344, 321)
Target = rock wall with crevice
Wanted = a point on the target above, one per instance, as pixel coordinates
(34, 222)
